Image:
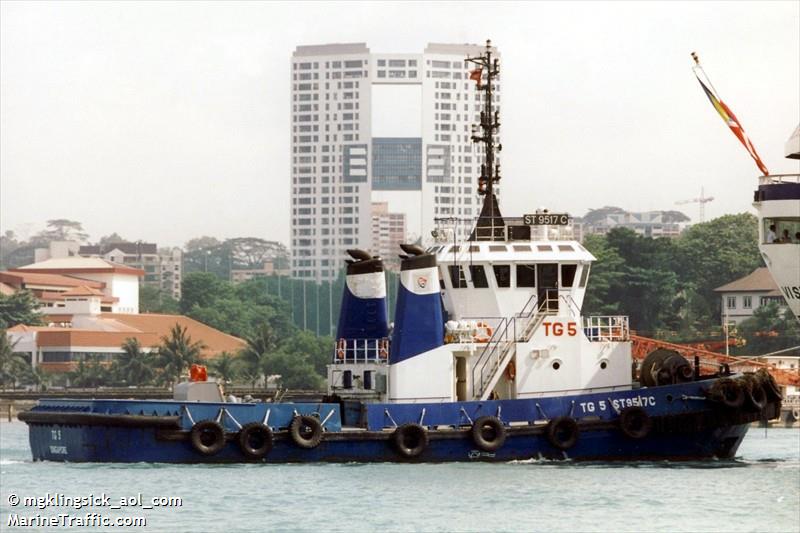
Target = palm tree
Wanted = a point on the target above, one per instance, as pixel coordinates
(133, 366)
(12, 364)
(177, 352)
(254, 355)
(224, 365)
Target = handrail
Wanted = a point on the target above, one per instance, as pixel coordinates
(779, 178)
(571, 305)
(360, 351)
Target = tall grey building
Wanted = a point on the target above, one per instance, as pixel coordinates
(378, 127)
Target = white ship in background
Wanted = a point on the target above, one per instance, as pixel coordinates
(777, 202)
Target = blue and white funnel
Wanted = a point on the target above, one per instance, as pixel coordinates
(418, 322)
(363, 314)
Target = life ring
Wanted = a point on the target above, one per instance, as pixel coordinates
(488, 433)
(756, 395)
(340, 349)
(306, 431)
(727, 392)
(383, 350)
(562, 432)
(635, 423)
(207, 437)
(487, 333)
(410, 440)
(255, 440)
(796, 413)
(511, 370)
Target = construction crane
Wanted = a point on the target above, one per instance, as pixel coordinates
(702, 200)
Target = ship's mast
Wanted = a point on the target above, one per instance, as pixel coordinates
(490, 225)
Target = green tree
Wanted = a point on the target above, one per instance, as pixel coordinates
(224, 366)
(295, 372)
(252, 358)
(90, 373)
(62, 229)
(771, 328)
(12, 364)
(19, 308)
(202, 289)
(154, 300)
(177, 353)
(133, 366)
(714, 253)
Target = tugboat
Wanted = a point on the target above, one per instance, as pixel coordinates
(777, 201)
(489, 359)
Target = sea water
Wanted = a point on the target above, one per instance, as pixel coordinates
(757, 491)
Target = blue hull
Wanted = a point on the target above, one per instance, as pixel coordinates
(684, 426)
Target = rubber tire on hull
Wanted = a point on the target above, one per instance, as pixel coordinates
(410, 440)
(728, 392)
(635, 423)
(769, 384)
(261, 434)
(756, 395)
(563, 432)
(488, 433)
(306, 431)
(207, 437)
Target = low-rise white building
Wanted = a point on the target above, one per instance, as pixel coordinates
(741, 297)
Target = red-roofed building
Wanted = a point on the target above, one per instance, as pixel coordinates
(741, 297)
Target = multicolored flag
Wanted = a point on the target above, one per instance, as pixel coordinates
(733, 123)
(476, 75)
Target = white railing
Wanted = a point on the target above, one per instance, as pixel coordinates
(606, 328)
(361, 351)
(779, 178)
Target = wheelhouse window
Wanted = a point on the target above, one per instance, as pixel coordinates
(584, 275)
(526, 275)
(502, 273)
(783, 230)
(568, 275)
(478, 275)
(457, 278)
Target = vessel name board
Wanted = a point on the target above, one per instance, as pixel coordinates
(546, 219)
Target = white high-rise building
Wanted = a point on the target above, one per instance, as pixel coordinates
(374, 127)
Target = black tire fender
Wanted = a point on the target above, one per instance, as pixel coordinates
(207, 437)
(635, 423)
(488, 433)
(306, 431)
(728, 392)
(563, 432)
(255, 440)
(410, 440)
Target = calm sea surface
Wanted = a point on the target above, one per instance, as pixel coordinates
(759, 491)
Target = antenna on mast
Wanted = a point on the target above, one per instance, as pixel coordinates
(490, 225)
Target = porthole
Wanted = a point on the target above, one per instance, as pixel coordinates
(556, 365)
(603, 364)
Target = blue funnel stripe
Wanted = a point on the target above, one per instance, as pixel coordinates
(362, 318)
(419, 324)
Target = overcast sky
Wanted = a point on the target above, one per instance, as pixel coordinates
(165, 121)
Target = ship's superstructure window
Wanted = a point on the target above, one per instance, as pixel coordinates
(584, 275)
(457, 278)
(783, 230)
(526, 275)
(568, 275)
(502, 273)
(478, 275)
(521, 248)
(497, 248)
(544, 248)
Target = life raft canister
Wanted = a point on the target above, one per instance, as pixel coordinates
(306, 431)
(562, 432)
(488, 433)
(255, 440)
(635, 423)
(207, 437)
(485, 335)
(410, 440)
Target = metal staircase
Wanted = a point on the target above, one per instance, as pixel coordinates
(502, 346)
